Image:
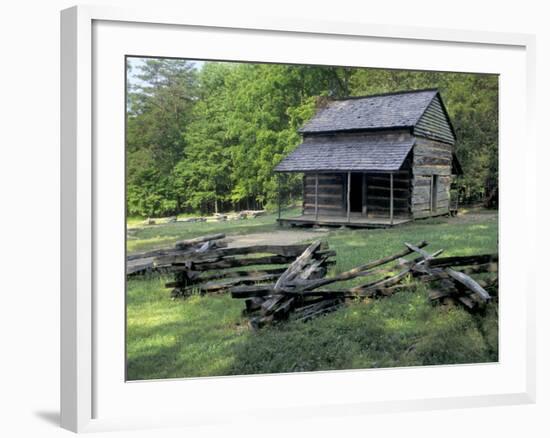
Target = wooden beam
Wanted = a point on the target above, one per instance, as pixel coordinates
(348, 196)
(364, 194)
(431, 194)
(316, 196)
(391, 198)
(183, 244)
(279, 195)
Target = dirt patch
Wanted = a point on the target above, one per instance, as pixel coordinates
(466, 216)
(281, 237)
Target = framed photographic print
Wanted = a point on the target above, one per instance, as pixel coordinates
(329, 223)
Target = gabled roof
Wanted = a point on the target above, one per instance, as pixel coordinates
(376, 112)
(333, 153)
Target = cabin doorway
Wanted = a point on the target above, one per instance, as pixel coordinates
(356, 193)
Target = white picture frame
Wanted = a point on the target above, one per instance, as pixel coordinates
(93, 389)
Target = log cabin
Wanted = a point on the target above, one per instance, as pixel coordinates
(375, 161)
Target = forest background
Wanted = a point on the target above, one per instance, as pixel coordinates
(204, 137)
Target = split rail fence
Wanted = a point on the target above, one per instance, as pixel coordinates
(281, 282)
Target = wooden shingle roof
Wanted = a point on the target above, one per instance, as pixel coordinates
(372, 133)
(383, 111)
(364, 152)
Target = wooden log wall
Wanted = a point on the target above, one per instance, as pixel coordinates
(431, 157)
(378, 194)
(331, 194)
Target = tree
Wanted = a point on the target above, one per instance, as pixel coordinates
(202, 177)
(158, 109)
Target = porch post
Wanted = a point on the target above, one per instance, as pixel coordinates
(391, 198)
(348, 195)
(279, 195)
(431, 195)
(316, 196)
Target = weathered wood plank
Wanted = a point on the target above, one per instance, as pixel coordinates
(322, 201)
(325, 212)
(381, 209)
(432, 161)
(432, 170)
(323, 206)
(297, 265)
(151, 254)
(464, 260)
(205, 276)
(383, 189)
(324, 192)
(323, 186)
(283, 250)
(182, 244)
(420, 181)
(327, 196)
(384, 180)
(139, 266)
(323, 179)
(424, 254)
(469, 282)
(424, 146)
(213, 286)
(422, 152)
(235, 263)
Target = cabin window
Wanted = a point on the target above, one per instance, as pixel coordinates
(434, 192)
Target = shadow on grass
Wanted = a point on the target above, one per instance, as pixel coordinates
(400, 331)
(404, 330)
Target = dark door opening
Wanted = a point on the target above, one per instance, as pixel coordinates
(356, 192)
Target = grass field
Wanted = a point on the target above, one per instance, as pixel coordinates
(159, 236)
(207, 336)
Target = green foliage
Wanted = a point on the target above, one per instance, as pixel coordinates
(208, 140)
(158, 111)
(243, 125)
(207, 336)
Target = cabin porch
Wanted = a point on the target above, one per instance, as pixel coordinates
(355, 199)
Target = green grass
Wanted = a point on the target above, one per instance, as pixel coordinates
(207, 336)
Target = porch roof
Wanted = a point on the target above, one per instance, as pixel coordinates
(375, 152)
